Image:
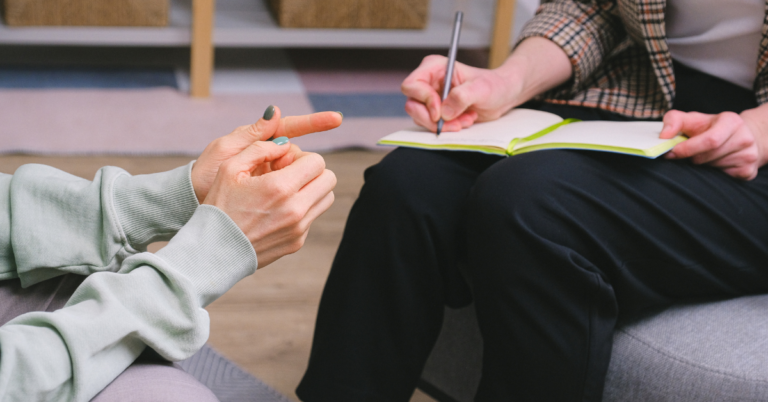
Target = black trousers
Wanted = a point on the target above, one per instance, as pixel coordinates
(557, 247)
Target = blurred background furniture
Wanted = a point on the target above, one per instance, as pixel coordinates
(204, 24)
(689, 353)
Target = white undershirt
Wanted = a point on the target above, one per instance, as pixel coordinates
(718, 37)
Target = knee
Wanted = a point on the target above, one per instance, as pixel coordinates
(524, 186)
(408, 181)
(537, 195)
(152, 381)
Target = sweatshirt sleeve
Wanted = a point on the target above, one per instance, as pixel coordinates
(58, 223)
(153, 300)
(587, 31)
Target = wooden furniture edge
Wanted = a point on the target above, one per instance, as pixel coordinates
(502, 31)
(201, 60)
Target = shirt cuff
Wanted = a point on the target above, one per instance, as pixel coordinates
(212, 252)
(153, 207)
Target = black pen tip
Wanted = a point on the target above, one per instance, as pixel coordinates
(439, 126)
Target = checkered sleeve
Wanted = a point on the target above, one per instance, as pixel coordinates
(587, 30)
(761, 81)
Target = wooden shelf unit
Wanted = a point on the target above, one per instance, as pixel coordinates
(206, 24)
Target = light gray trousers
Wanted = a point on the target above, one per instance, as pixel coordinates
(148, 379)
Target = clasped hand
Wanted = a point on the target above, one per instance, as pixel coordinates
(272, 192)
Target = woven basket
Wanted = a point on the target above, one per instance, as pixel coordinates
(86, 12)
(392, 14)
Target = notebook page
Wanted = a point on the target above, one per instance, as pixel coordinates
(499, 133)
(640, 135)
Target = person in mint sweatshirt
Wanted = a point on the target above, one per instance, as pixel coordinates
(65, 240)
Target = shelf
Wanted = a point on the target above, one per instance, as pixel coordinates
(248, 23)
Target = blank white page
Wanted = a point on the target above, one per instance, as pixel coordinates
(499, 133)
(637, 135)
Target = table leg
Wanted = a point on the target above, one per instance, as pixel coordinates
(201, 66)
(502, 31)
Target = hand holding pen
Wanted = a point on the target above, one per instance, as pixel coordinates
(424, 103)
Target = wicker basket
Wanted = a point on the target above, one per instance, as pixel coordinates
(86, 12)
(392, 14)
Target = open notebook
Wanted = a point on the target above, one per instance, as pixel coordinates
(525, 130)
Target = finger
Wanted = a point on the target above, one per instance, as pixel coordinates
(319, 186)
(314, 212)
(739, 143)
(262, 130)
(294, 153)
(302, 171)
(742, 172)
(468, 119)
(420, 114)
(425, 94)
(673, 123)
(738, 158)
(452, 126)
(256, 154)
(461, 98)
(700, 142)
(317, 189)
(296, 126)
(424, 82)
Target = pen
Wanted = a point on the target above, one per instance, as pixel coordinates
(451, 61)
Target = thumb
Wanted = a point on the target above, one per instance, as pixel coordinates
(262, 130)
(459, 100)
(256, 154)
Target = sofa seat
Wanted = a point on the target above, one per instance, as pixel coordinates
(703, 352)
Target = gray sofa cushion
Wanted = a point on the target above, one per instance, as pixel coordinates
(700, 352)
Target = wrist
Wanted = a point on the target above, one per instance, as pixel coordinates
(536, 66)
(512, 77)
(756, 120)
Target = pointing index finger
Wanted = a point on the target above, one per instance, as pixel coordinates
(296, 126)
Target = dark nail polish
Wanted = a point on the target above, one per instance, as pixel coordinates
(269, 112)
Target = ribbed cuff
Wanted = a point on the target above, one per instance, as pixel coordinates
(153, 207)
(7, 263)
(212, 252)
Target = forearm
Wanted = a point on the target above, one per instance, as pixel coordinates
(60, 223)
(587, 31)
(535, 66)
(153, 300)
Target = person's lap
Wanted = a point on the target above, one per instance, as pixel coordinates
(562, 244)
(643, 234)
(149, 379)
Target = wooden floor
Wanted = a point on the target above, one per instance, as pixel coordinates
(265, 323)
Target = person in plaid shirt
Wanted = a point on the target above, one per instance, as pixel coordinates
(555, 247)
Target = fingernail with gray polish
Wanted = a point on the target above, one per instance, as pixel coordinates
(280, 140)
(269, 112)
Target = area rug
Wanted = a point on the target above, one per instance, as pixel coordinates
(227, 381)
(133, 110)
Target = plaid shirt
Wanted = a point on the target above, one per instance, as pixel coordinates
(619, 54)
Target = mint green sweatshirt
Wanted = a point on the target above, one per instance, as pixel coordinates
(52, 223)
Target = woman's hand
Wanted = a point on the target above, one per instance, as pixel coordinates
(732, 142)
(474, 95)
(271, 125)
(479, 94)
(274, 208)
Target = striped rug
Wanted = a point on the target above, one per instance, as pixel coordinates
(227, 381)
